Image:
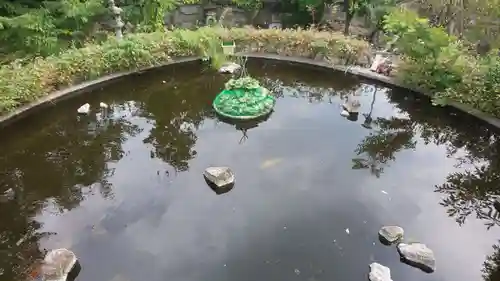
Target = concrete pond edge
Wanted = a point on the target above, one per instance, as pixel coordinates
(370, 75)
(75, 90)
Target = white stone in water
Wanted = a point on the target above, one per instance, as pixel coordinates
(9, 194)
(84, 109)
(344, 113)
(418, 255)
(219, 176)
(57, 264)
(391, 233)
(230, 68)
(379, 272)
(103, 105)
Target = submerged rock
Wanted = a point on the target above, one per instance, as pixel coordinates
(379, 272)
(84, 109)
(219, 178)
(60, 265)
(230, 68)
(418, 255)
(390, 234)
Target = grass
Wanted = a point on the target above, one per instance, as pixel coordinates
(24, 83)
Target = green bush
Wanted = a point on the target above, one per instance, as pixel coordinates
(433, 60)
(436, 62)
(23, 83)
(480, 87)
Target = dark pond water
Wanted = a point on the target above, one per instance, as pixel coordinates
(124, 189)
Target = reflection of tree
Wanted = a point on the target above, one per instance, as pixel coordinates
(380, 146)
(53, 164)
(176, 120)
(295, 82)
(472, 192)
(474, 146)
(491, 267)
(19, 235)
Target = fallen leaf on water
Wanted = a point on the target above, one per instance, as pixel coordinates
(119, 277)
(270, 162)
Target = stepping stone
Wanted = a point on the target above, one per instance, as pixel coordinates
(390, 234)
(379, 272)
(220, 179)
(417, 255)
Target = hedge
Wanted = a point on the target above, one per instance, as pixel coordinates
(24, 83)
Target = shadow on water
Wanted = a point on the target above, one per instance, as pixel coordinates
(122, 187)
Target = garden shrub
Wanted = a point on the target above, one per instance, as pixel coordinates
(433, 60)
(438, 63)
(480, 87)
(22, 83)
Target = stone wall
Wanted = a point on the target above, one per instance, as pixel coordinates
(191, 16)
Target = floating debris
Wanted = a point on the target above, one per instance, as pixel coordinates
(297, 271)
(384, 192)
(347, 231)
(344, 113)
(103, 105)
(84, 109)
(24, 238)
(7, 195)
(270, 162)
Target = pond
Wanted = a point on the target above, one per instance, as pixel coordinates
(123, 187)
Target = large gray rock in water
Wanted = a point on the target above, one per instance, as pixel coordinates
(390, 234)
(418, 255)
(379, 272)
(219, 177)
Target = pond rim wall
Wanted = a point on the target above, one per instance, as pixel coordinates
(75, 90)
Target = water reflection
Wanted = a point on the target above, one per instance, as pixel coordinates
(59, 159)
(466, 192)
(491, 267)
(176, 118)
(98, 180)
(244, 125)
